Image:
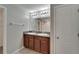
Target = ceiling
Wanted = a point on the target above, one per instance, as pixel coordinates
(30, 7)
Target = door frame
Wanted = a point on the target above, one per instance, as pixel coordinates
(5, 29)
(55, 7)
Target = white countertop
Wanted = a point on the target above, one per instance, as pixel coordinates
(39, 34)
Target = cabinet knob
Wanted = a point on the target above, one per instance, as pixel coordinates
(78, 36)
(57, 37)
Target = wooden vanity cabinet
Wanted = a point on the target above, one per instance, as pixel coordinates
(37, 43)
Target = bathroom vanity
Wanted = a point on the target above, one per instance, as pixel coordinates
(39, 42)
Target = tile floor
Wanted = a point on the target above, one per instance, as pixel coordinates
(27, 51)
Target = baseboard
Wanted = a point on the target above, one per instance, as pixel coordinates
(17, 50)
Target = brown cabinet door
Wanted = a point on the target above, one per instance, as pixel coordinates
(37, 44)
(31, 42)
(26, 41)
(44, 45)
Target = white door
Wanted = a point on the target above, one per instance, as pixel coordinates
(67, 29)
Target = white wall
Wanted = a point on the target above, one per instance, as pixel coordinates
(52, 29)
(14, 32)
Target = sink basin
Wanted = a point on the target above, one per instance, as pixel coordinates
(31, 33)
(42, 34)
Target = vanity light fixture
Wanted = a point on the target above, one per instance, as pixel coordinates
(40, 13)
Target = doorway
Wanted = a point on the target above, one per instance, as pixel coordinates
(67, 29)
(2, 29)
